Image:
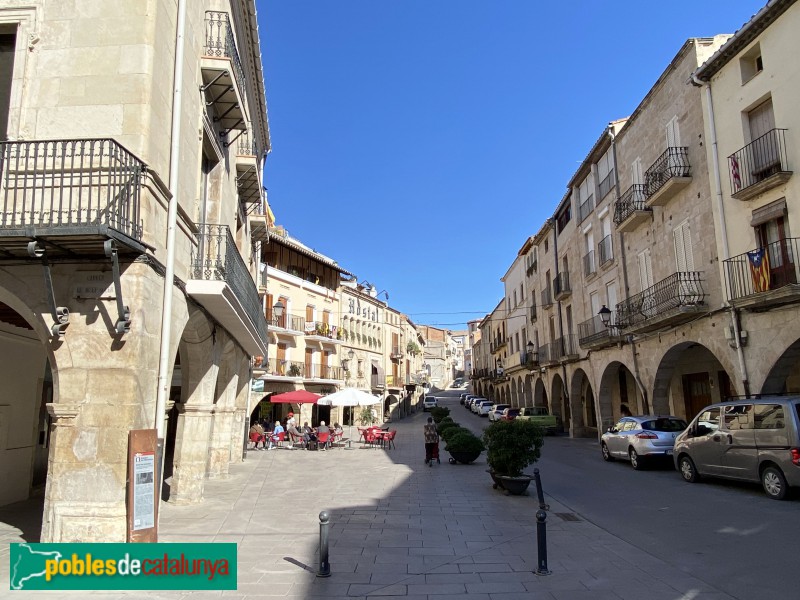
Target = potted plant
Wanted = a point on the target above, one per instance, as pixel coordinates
(464, 446)
(438, 413)
(511, 446)
(366, 417)
(294, 371)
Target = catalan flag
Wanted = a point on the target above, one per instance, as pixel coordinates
(759, 269)
(736, 176)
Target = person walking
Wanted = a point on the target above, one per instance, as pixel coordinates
(431, 441)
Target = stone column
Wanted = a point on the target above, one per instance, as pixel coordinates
(191, 453)
(219, 451)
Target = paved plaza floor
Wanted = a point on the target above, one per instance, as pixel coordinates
(399, 529)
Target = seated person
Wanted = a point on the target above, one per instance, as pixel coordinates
(323, 429)
(294, 434)
(257, 435)
(309, 435)
(274, 438)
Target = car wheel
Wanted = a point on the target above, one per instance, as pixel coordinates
(606, 452)
(687, 469)
(636, 462)
(774, 483)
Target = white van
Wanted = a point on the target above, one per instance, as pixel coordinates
(749, 439)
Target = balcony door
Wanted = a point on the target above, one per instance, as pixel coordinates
(8, 47)
(280, 360)
(309, 362)
(684, 262)
(648, 308)
(764, 154)
(774, 235)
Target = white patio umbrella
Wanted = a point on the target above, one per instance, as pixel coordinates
(348, 397)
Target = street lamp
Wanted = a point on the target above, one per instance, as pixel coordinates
(530, 347)
(605, 315)
(278, 309)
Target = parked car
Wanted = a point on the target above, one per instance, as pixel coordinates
(639, 439)
(541, 416)
(750, 440)
(496, 411)
(484, 408)
(469, 400)
(476, 404)
(510, 414)
(462, 398)
(429, 402)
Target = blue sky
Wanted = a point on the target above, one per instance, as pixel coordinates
(420, 142)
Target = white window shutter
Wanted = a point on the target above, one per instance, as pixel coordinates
(673, 133)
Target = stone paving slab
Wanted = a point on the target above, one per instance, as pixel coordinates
(399, 529)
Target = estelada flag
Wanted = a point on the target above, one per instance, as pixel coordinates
(759, 269)
(736, 176)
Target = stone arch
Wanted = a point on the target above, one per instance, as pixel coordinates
(514, 401)
(527, 397)
(689, 377)
(540, 394)
(584, 412)
(617, 387)
(559, 404)
(784, 375)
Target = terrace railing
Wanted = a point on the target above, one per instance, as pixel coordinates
(679, 289)
(763, 157)
(763, 269)
(674, 162)
(220, 42)
(634, 199)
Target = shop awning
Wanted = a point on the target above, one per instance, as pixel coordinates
(296, 397)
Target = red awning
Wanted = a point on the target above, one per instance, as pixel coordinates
(296, 397)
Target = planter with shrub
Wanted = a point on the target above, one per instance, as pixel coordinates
(464, 446)
(511, 446)
(438, 413)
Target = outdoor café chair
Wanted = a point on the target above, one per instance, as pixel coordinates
(322, 440)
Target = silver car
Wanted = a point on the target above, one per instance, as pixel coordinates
(497, 411)
(638, 439)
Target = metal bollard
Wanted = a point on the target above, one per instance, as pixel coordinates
(324, 565)
(541, 528)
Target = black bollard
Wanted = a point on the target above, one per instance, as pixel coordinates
(541, 528)
(324, 565)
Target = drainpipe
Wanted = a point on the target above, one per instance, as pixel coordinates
(636, 377)
(565, 386)
(172, 219)
(723, 226)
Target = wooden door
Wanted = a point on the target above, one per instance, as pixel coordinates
(696, 393)
(280, 360)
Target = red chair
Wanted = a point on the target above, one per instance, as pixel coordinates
(370, 437)
(322, 440)
(389, 438)
(277, 439)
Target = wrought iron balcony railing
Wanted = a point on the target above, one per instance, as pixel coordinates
(219, 43)
(217, 258)
(547, 298)
(757, 161)
(674, 162)
(761, 270)
(545, 353)
(71, 187)
(564, 347)
(589, 265)
(282, 368)
(245, 145)
(585, 208)
(633, 200)
(396, 352)
(561, 285)
(378, 381)
(533, 314)
(319, 371)
(321, 329)
(606, 185)
(678, 290)
(594, 331)
(290, 322)
(606, 250)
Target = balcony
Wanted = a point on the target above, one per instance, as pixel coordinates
(498, 344)
(667, 176)
(70, 195)
(515, 362)
(220, 282)
(593, 333)
(764, 277)
(248, 185)
(606, 250)
(531, 268)
(533, 314)
(561, 287)
(589, 265)
(547, 355)
(565, 348)
(397, 353)
(631, 209)
(676, 299)
(378, 381)
(547, 299)
(279, 370)
(325, 372)
(223, 75)
(759, 166)
(322, 332)
(291, 325)
(585, 208)
(606, 185)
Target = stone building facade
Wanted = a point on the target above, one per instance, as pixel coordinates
(108, 139)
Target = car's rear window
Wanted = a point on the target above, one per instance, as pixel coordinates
(665, 425)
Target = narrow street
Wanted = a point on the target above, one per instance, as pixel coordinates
(709, 529)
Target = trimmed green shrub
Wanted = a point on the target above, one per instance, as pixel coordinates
(463, 440)
(439, 413)
(445, 425)
(512, 445)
